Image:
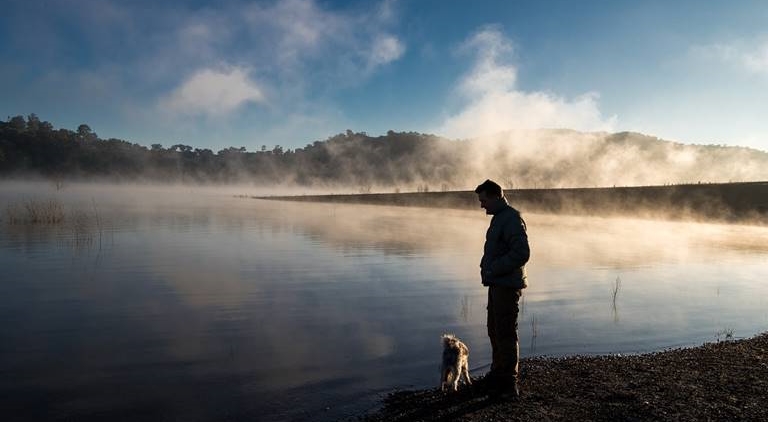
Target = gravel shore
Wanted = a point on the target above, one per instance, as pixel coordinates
(724, 381)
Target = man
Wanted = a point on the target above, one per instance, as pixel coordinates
(502, 269)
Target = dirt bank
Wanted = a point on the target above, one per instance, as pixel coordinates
(725, 381)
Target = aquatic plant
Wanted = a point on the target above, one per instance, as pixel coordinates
(82, 229)
(725, 334)
(85, 227)
(35, 212)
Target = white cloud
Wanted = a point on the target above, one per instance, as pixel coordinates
(493, 103)
(298, 27)
(213, 92)
(385, 49)
(309, 42)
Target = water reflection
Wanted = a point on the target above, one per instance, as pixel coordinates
(281, 310)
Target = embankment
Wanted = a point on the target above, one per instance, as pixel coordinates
(727, 202)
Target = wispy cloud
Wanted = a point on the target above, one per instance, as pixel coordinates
(201, 60)
(299, 50)
(213, 93)
(493, 103)
(750, 55)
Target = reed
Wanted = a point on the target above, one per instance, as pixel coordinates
(725, 334)
(35, 212)
(82, 229)
(534, 326)
(98, 221)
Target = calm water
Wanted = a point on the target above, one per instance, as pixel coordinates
(196, 305)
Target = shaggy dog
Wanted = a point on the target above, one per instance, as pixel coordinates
(455, 363)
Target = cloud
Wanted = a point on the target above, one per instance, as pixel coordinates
(142, 56)
(385, 49)
(298, 28)
(300, 50)
(492, 102)
(488, 74)
(750, 55)
(301, 35)
(213, 92)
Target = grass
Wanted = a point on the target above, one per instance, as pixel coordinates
(725, 334)
(98, 220)
(534, 326)
(82, 233)
(35, 212)
(84, 225)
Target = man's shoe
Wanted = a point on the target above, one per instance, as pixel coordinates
(504, 395)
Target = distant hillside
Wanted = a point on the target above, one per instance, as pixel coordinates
(396, 161)
(565, 158)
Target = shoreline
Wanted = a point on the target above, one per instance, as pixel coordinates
(725, 380)
(743, 202)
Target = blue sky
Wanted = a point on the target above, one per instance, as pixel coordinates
(214, 74)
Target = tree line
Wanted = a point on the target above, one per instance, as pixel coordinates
(30, 146)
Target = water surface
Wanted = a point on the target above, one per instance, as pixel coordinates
(194, 304)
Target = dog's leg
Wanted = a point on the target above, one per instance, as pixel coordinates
(455, 378)
(443, 378)
(465, 372)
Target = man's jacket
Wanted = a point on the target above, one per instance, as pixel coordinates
(506, 248)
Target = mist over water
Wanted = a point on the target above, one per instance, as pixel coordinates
(195, 304)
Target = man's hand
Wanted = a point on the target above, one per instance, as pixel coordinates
(485, 275)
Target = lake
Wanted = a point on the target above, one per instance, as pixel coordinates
(194, 304)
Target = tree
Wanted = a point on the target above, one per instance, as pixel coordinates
(46, 127)
(33, 123)
(18, 123)
(181, 148)
(85, 133)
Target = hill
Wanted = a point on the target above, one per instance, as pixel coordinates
(397, 161)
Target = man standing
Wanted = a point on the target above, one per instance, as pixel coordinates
(502, 269)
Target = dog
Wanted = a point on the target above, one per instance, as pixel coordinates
(455, 363)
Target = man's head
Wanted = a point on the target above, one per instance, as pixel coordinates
(488, 193)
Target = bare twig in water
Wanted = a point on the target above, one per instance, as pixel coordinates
(616, 287)
(98, 220)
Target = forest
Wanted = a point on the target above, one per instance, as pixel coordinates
(31, 147)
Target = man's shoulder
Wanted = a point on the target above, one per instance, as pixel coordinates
(510, 211)
(510, 217)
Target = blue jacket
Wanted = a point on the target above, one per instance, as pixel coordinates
(506, 249)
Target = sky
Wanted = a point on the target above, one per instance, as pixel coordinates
(232, 73)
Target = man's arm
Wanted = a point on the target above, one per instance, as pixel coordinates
(516, 240)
